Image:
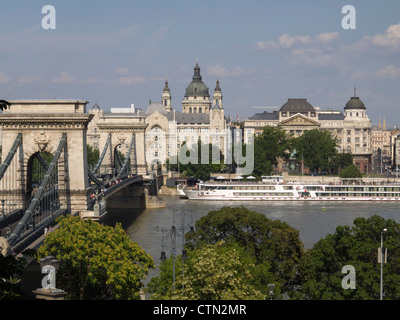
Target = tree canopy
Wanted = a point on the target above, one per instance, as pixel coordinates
(198, 165)
(270, 250)
(212, 272)
(317, 149)
(269, 146)
(350, 172)
(356, 246)
(97, 262)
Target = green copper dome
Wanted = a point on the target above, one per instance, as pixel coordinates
(354, 103)
(197, 86)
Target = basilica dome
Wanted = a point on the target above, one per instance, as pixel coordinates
(197, 88)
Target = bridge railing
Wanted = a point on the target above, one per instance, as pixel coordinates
(10, 185)
(45, 206)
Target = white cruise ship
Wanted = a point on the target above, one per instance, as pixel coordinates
(274, 188)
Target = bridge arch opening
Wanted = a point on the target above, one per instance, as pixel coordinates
(36, 169)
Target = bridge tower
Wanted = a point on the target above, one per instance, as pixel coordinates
(41, 125)
(119, 132)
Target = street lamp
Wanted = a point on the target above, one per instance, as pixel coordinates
(271, 289)
(381, 261)
(172, 231)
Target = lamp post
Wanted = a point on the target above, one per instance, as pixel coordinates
(271, 289)
(381, 262)
(172, 231)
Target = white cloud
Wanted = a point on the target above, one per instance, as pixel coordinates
(4, 78)
(64, 77)
(131, 80)
(390, 39)
(121, 71)
(31, 79)
(286, 41)
(221, 70)
(311, 56)
(386, 72)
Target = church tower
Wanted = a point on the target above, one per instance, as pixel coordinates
(166, 97)
(217, 97)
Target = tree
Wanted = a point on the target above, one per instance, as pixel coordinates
(275, 246)
(11, 270)
(356, 246)
(317, 149)
(215, 272)
(350, 172)
(341, 161)
(92, 156)
(4, 104)
(200, 170)
(97, 262)
(269, 146)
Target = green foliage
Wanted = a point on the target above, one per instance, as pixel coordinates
(356, 246)
(350, 172)
(275, 246)
(341, 161)
(202, 168)
(93, 156)
(11, 270)
(317, 148)
(215, 272)
(269, 146)
(268, 250)
(97, 262)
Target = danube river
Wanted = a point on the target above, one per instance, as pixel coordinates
(314, 220)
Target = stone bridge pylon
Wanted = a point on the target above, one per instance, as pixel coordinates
(42, 124)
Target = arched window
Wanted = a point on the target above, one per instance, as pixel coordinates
(190, 110)
(200, 110)
(194, 110)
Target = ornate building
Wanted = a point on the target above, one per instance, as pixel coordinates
(380, 139)
(202, 117)
(352, 127)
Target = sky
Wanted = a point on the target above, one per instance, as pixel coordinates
(118, 53)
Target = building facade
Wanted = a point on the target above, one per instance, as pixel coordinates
(380, 139)
(167, 129)
(351, 127)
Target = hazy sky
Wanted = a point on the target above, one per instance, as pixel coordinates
(119, 52)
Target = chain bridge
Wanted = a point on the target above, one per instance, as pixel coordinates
(44, 172)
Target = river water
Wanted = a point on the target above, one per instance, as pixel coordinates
(313, 220)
